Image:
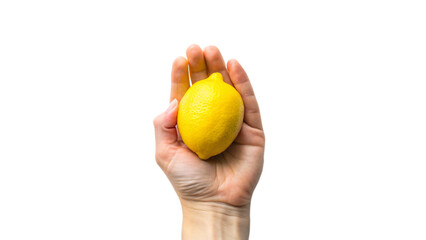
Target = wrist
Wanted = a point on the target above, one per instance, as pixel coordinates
(214, 220)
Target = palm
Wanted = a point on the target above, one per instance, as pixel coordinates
(229, 177)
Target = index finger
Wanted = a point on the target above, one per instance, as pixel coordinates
(180, 79)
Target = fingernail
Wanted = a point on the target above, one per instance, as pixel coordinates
(172, 105)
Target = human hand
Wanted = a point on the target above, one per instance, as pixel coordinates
(224, 184)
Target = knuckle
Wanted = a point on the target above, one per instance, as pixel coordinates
(160, 157)
(157, 157)
(157, 120)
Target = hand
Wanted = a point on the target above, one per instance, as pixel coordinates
(224, 184)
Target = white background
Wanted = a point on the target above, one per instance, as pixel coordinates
(341, 86)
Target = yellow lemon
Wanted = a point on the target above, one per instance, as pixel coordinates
(210, 116)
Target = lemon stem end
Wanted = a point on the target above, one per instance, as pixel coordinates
(216, 76)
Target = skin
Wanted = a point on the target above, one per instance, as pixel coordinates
(215, 194)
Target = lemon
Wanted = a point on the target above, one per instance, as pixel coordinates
(210, 116)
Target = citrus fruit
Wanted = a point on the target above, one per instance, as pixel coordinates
(210, 116)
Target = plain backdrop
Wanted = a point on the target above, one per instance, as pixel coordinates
(341, 86)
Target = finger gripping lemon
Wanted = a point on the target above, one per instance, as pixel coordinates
(210, 116)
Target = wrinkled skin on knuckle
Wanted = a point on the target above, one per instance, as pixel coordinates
(160, 156)
(157, 120)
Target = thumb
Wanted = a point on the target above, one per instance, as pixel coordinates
(165, 125)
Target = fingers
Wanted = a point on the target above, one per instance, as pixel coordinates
(180, 79)
(165, 126)
(197, 64)
(166, 134)
(242, 83)
(215, 63)
(250, 136)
